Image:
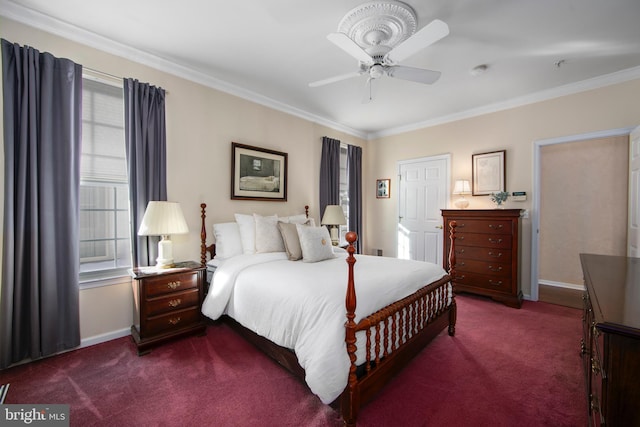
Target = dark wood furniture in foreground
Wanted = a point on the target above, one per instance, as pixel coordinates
(413, 322)
(610, 344)
(167, 303)
(487, 253)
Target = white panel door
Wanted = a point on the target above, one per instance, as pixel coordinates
(422, 193)
(633, 237)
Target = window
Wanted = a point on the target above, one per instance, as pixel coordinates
(344, 192)
(104, 191)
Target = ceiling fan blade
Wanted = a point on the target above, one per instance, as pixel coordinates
(352, 48)
(335, 79)
(428, 35)
(418, 75)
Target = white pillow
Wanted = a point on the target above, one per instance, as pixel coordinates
(268, 237)
(247, 227)
(315, 243)
(228, 242)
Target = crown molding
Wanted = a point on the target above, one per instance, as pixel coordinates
(569, 89)
(51, 25)
(46, 23)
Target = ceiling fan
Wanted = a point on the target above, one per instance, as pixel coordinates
(380, 35)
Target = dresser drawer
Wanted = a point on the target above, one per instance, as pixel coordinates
(483, 240)
(496, 283)
(483, 267)
(171, 321)
(162, 285)
(174, 301)
(493, 226)
(484, 254)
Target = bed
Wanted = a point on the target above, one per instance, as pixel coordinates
(346, 357)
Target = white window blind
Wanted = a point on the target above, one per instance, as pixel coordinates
(104, 196)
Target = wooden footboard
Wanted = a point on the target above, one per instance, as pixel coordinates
(394, 334)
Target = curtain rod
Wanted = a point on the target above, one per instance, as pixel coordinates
(106, 76)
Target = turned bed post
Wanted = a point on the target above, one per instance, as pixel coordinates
(452, 274)
(203, 236)
(349, 404)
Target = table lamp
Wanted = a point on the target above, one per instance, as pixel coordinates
(334, 218)
(462, 187)
(163, 219)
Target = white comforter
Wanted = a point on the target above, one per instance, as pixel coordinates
(301, 305)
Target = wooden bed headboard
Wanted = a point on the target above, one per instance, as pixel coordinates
(211, 249)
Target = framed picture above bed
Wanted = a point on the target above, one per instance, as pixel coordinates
(488, 171)
(258, 173)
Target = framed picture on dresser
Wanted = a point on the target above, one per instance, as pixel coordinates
(488, 172)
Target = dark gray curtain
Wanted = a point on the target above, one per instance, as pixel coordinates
(42, 99)
(145, 139)
(329, 173)
(354, 172)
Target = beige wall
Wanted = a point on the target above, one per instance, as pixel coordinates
(584, 208)
(201, 124)
(514, 130)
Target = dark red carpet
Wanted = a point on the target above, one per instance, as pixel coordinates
(504, 367)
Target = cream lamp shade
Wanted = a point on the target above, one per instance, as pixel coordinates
(163, 219)
(334, 218)
(462, 187)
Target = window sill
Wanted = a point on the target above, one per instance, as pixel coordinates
(89, 283)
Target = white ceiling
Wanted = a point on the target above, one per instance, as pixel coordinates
(269, 50)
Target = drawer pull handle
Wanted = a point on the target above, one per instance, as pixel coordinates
(595, 366)
(492, 268)
(460, 237)
(459, 277)
(498, 283)
(497, 227)
(498, 255)
(174, 320)
(583, 347)
(461, 264)
(495, 240)
(461, 225)
(174, 285)
(460, 252)
(175, 302)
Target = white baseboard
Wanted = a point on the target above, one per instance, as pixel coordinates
(97, 339)
(561, 285)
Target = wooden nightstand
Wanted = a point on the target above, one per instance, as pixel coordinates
(167, 303)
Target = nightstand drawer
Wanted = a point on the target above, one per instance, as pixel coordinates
(172, 321)
(483, 226)
(161, 285)
(501, 241)
(175, 301)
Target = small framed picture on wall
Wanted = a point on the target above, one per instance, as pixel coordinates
(383, 188)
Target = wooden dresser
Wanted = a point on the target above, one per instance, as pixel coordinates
(167, 303)
(487, 252)
(611, 339)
